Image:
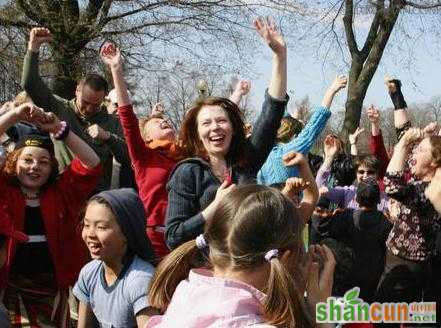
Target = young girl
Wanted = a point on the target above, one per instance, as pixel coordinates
(112, 287)
(44, 205)
(255, 248)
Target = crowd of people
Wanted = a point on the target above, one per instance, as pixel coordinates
(108, 220)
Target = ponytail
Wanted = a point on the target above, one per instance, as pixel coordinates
(174, 268)
(283, 305)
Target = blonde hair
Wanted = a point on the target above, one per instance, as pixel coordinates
(248, 222)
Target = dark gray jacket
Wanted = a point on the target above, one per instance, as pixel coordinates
(192, 185)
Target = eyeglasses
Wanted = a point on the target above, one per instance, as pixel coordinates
(369, 172)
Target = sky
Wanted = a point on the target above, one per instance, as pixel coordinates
(412, 55)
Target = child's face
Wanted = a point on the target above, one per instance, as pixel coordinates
(102, 234)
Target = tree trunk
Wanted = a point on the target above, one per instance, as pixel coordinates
(67, 70)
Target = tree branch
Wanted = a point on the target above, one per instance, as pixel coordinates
(348, 19)
(373, 30)
(422, 6)
(18, 23)
(27, 9)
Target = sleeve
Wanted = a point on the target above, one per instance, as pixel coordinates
(32, 83)
(132, 134)
(117, 144)
(184, 221)
(396, 187)
(322, 177)
(265, 130)
(337, 195)
(137, 291)
(81, 289)
(77, 182)
(309, 134)
(377, 148)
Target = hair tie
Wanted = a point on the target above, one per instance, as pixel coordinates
(273, 253)
(201, 243)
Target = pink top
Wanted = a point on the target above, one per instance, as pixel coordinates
(207, 301)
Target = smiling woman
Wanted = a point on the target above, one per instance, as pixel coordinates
(219, 156)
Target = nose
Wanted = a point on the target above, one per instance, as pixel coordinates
(35, 165)
(90, 232)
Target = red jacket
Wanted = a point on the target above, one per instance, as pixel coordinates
(152, 166)
(60, 204)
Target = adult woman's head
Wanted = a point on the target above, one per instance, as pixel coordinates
(32, 164)
(367, 167)
(255, 229)
(214, 127)
(114, 225)
(426, 158)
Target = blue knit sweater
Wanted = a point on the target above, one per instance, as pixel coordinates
(273, 171)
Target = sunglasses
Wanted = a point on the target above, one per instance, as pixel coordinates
(370, 172)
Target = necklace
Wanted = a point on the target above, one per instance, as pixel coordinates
(30, 196)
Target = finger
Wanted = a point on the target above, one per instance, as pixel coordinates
(289, 156)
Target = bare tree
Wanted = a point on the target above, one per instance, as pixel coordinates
(150, 32)
(362, 51)
(435, 108)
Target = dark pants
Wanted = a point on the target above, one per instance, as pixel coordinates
(402, 280)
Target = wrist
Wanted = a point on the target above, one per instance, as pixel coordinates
(34, 47)
(116, 67)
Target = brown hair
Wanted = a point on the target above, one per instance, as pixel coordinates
(10, 168)
(435, 142)
(249, 221)
(189, 137)
(369, 161)
(95, 82)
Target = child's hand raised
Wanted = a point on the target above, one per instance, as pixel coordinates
(293, 158)
(321, 265)
(293, 186)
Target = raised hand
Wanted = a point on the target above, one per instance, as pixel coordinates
(110, 55)
(431, 129)
(354, 136)
(293, 186)
(47, 122)
(373, 115)
(97, 132)
(243, 87)
(339, 83)
(268, 31)
(330, 146)
(412, 135)
(392, 85)
(158, 109)
(293, 158)
(321, 264)
(38, 36)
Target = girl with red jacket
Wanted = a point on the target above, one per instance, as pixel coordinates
(45, 205)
